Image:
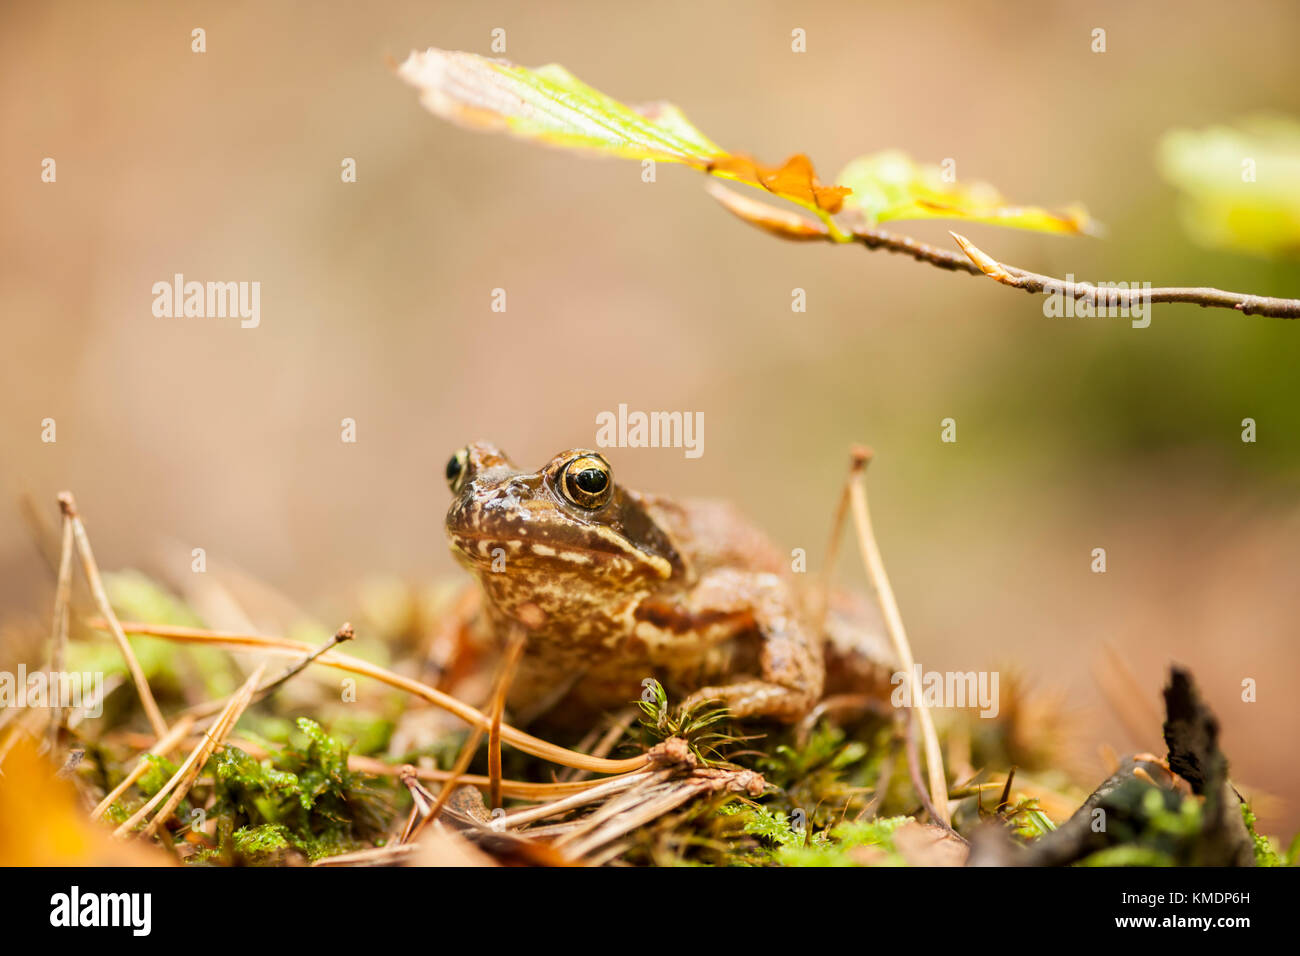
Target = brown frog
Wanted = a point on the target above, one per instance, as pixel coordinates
(612, 586)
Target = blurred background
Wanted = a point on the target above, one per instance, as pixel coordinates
(1072, 434)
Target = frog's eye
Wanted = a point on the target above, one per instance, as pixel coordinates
(587, 481)
(456, 469)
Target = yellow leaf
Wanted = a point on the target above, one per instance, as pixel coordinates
(891, 186)
(42, 822)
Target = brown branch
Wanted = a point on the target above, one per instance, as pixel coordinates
(793, 226)
(1203, 296)
(918, 250)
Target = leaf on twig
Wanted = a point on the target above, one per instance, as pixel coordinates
(551, 105)
(890, 186)
(783, 223)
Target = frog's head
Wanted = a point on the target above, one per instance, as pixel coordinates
(570, 518)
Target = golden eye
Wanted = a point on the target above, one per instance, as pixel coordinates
(456, 469)
(588, 482)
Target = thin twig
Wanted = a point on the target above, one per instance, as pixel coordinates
(421, 802)
(91, 569)
(59, 637)
(517, 789)
(505, 674)
(343, 634)
(508, 664)
(601, 747)
(467, 751)
(602, 790)
(791, 225)
(914, 766)
(918, 250)
(898, 634)
(283, 647)
(1112, 298)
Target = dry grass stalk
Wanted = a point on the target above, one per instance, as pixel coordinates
(188, 772)
(91, 570)
(502, 684)
(160, 749)
(283, 647)
(422, 802)
(516, 789)
(676, 779)
(62, 605)
(603, 789)
(344, 633)
(514, 651)
(216, 736)
(875, 566)
(602, 745)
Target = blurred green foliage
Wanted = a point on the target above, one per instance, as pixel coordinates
(1240, 186)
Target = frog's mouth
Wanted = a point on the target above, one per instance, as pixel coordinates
(487, 552)
(477, 551)
(492, 551)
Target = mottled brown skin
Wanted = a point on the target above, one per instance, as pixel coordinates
(613, 587)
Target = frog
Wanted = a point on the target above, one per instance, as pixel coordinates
(611, 587)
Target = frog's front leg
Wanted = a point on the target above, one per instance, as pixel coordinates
(790, 656)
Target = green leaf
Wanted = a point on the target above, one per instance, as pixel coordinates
(551, 105)
(889, 186)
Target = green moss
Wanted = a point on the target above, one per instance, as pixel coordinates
(695, 725)
(789, 840)
(1265, 852)
(159, 771)
(302, 797)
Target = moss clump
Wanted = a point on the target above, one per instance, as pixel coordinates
(301, 798)
(1265, 853)
(785, 840)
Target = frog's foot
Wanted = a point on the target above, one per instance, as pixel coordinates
(756, 698)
